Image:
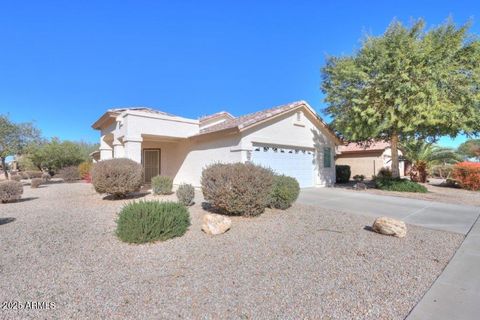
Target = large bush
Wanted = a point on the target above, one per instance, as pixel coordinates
(185, 194)
(69, 174)
(467, 174)
(148, 221)
(10, 191)
(342, 173)
(285, 191)
(397, 184)
(237, 188)
(162, 185)
(117, 177)
(15, 177)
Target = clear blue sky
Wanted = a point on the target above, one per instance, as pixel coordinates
(62, 64)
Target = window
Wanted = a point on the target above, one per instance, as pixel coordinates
(327, 157)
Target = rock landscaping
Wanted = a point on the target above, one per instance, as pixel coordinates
(214, 224)
(390, 227)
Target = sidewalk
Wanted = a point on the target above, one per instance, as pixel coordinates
(456, 293)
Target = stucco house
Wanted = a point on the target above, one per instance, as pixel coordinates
(291, 139)
(367, 159)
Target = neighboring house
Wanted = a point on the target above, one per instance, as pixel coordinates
(291, 139)
(367, 159)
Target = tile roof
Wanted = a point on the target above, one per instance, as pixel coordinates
(252, 118)
(211, 116)
(143, 109)
(360, 147)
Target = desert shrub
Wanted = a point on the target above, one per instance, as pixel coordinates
(149, 221)
(467, 174)
(10, 191)
(69, 174)
(285, 191)
(384, 173)
(162, 185)
(342, 173)
(359, 177)
(23, 175)
(46, 177)
(36, 182)
(33, 174)
(15, 177)
(84, 169)
(397, 184)
(237, 188)
(117, 177)
(185, 194)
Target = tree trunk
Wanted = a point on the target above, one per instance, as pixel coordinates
(395, 164)
(4, 166)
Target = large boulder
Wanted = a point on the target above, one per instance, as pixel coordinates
(215, 224)
(390, 227)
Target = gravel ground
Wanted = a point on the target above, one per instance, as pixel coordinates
(300, 263)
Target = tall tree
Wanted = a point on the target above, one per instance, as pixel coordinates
(406, 83)
(14, 137)
(470, 149)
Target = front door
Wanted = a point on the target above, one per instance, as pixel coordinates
(151, 163)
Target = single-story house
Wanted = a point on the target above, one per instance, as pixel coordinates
(291, 139)
(367, 158)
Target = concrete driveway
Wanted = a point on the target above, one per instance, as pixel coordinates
(439, 216)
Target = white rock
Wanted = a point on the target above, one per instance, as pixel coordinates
(215, 224)
(389, 226)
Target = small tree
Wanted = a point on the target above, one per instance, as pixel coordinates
(406, 83)
(470, 149)
(55, 154)
(14, 137)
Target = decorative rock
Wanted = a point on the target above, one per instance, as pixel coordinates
(390, 227)
(215, 224)
(360, 186)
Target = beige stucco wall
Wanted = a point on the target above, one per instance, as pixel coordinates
(368, 163)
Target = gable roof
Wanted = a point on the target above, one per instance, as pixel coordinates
(114, 112)
(216, 115)
(364, 146)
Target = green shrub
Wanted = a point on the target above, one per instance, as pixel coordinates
(384, 173)
(117, 177)
(185, 194)
(285, 191)
(237, 188)
(69, 174)
(36, 182)
(342, 173)
(15, 177)
(10, 191)
(149, 221)
(397, 184)
(162, 185)
(84, 169)
(359, 177)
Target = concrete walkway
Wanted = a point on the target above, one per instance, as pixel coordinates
(456, 292)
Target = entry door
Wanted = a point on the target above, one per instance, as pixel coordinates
(151, 163)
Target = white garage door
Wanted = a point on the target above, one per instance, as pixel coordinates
(297, 163)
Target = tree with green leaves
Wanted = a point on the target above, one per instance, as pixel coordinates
(470, 149)
(424, 156)
(14, 137)
(407, 83)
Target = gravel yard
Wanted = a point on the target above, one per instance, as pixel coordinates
(300, 263)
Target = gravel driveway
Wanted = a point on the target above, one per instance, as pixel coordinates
(300, 263)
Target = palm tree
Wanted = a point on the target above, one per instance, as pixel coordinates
(424, 155)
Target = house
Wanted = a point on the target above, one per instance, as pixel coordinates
(291, 139)
(367, 159)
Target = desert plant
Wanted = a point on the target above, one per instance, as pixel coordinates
(149, 221)
(285, 191)
(467, 174)
(185, 194)
(359, 177)
(162, 185)
(23, 175)
(384, 172)
(84, 169)
(10, 191)
(69, 174)
(33, 174)
(397, 184)
(117, 177)
(46, 177)
(342, 173)
(36, 182)
(237, 188)
(15, 177)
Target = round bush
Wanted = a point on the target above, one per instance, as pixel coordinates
(69, 174)
(117, 177)
(15, 177)
(342, 173)
(397, 184)
(10, 191)
(285, 191)
(162, 185)
(84, 169)
(36, 182)
(185, 194)
(237, 188)
(149, 221)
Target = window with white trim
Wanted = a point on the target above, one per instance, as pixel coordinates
(327, 157)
